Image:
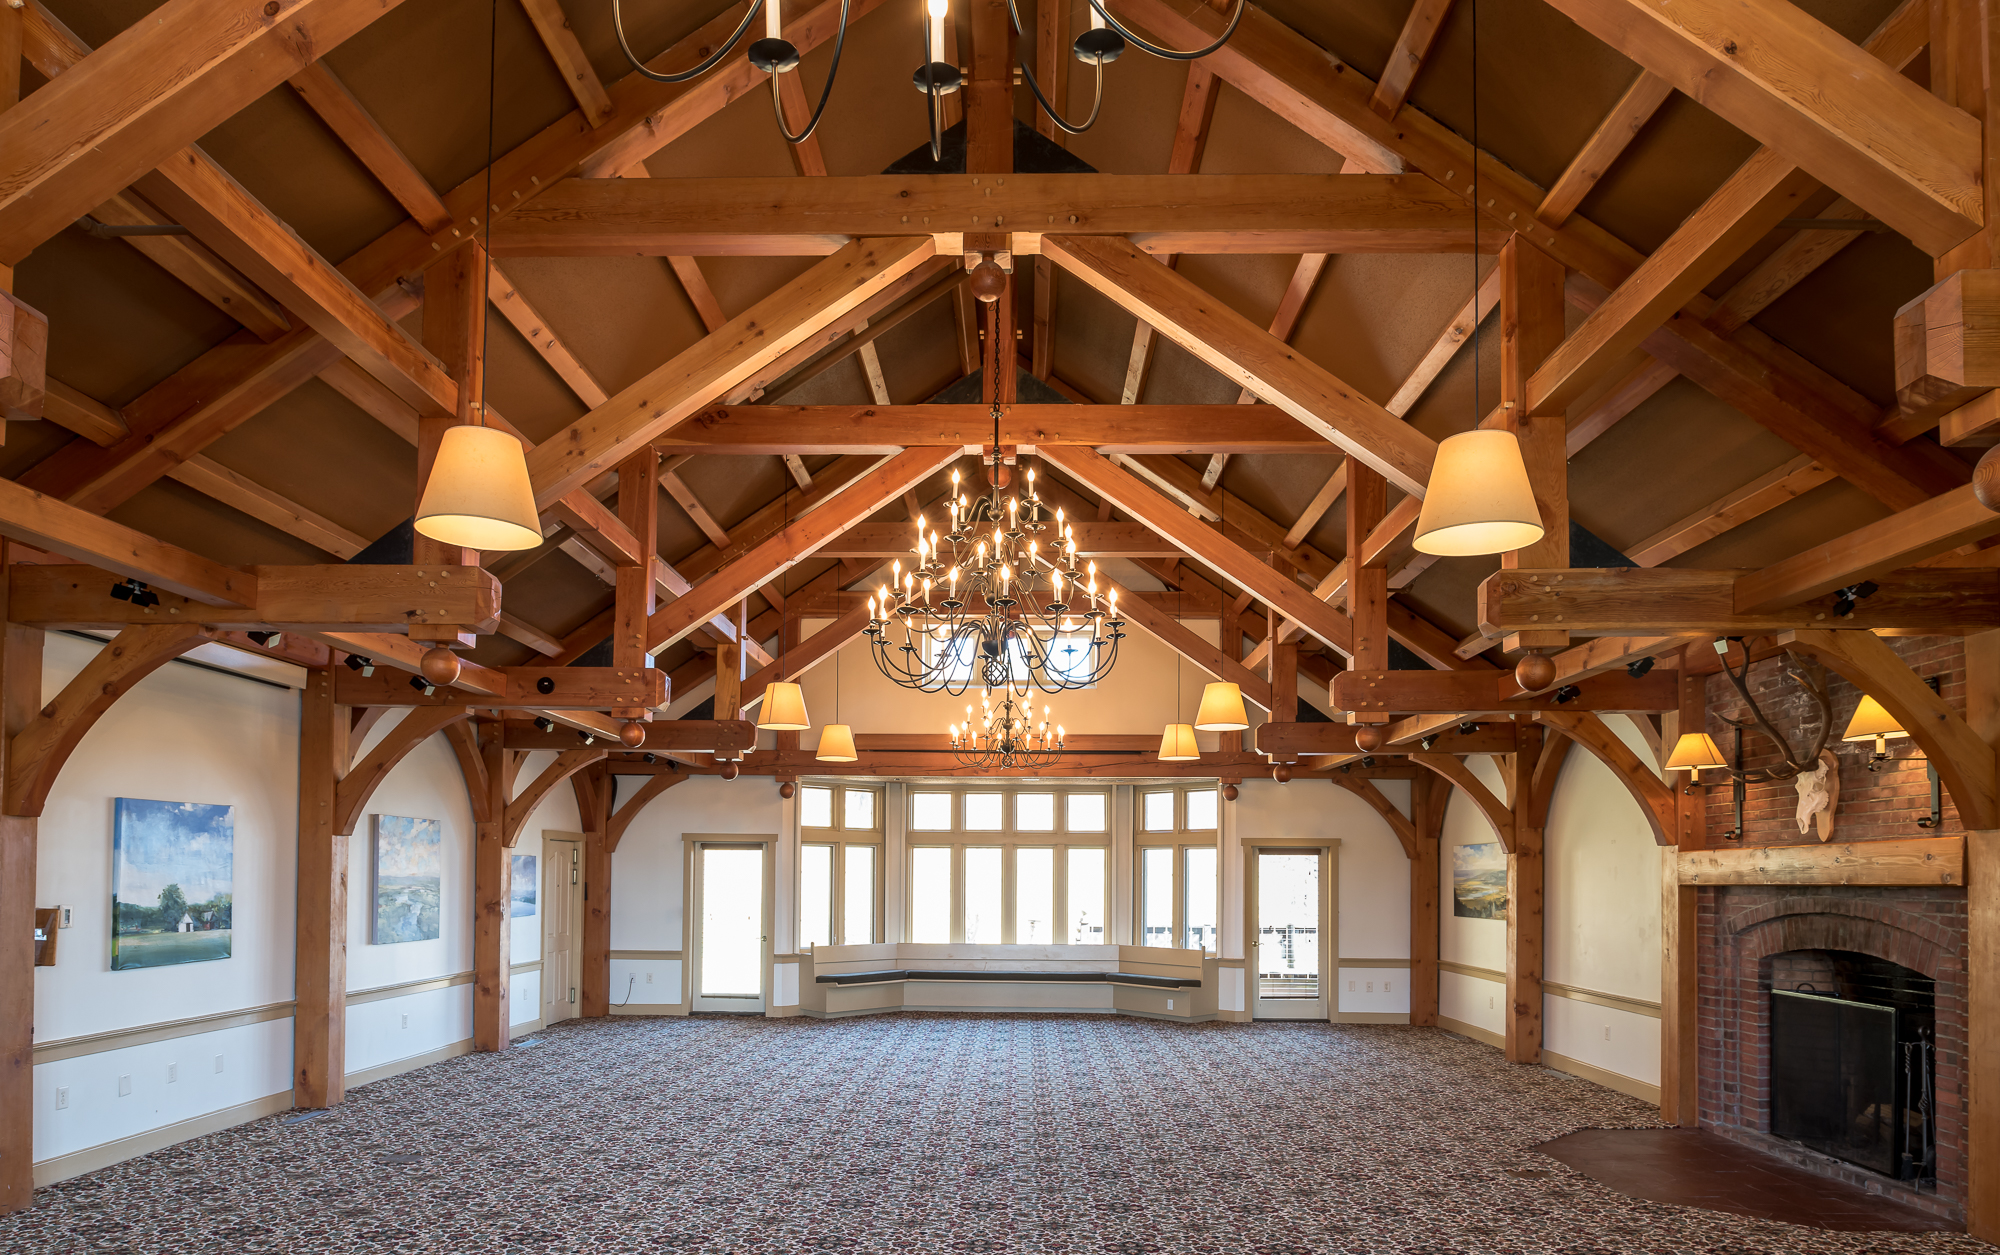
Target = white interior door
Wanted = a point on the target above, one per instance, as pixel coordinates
(732, 933)
(562, 912)
(1290, 973)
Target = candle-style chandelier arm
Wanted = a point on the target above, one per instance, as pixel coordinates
(710, 62)
(1054, 114)
(825, 94)
(1170, 54)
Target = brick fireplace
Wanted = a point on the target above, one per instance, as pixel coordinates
(1750, 937)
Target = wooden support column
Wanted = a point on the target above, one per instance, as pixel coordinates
(1967, 29)
(593, 806)
(989, 94)
(20, 701)
(1367, 577)
(1531, 326)
(1679, 956)
(1428, 794)
(635, 595)
(455, 333)
(319, 1022)
(492, 901)
(1524, 905)
(1982, 1002)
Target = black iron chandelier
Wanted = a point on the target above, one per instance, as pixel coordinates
(1006, 737)
(938, 76)
(999, 609)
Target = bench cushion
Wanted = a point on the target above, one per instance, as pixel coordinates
(892, 975)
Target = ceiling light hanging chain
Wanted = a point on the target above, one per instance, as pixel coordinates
(997, 610)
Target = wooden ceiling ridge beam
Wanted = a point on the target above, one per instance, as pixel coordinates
(152, 89)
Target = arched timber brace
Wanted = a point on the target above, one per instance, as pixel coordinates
(567, 764)
(621, 819)
(1454, 770)
(353, 792)
(1404, 827)
(1962, 759)
(37, 752)
(1654, 796)
(1542, 785)
(465, 746)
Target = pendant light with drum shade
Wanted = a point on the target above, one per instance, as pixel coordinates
(1479, 500)
(1177, 744)
(836, 740)
(784, 708)
(478, 494)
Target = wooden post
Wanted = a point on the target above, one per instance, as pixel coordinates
(1428, 793)
(989, 94)
(639, 511)
(1367, 579)
(1524, 906)
(593, 804)
(1680, 1053)
(455, 332)
(20, 701)
(319, 1024)
(1982, 999)
(492, 908)
(728, 680)
(1531, 326)
(1967, 29)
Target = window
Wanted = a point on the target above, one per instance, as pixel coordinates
(859, 808)
(1156, 896)
(815, 807)
(984, 812)
(930, 812)
(1201, 900)
(837, 866)
(1159, 811)
(982, 896)
(1072, 657)
(816, 895)
(995, 866)
(1178, 887)
(1086, 896)
(1200, 810)
(1086, 812)
(930, 893)
(1035, 812)
(1034, 896)
(858, 908)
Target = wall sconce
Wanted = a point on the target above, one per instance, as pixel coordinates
(1694, 753)
(1873, 723)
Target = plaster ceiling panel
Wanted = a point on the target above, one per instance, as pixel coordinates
(622, 317)
(1246, 138)
(679, 537)
(1831, 510)
(734, 488)
(841, 383)
(422, 72)
(740, 140)
(1839, 316)
(1363, 33)
(179, 515)
(1374, 316)
(1252, 284)
(740, 282)
(1448, 593)
(1179, 377)
(315, 447)
(118, 324)
(523, 386)
(920, 356)
(876, 114)
(1093, 339)
(28, 443)
(1280, 486)
(1448, 405)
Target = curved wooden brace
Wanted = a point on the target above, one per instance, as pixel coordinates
(621, 819)
(471, 765)
(1453, 769)
(362, 722)
(1404, 827)
(37, 753)
(593, 797)
(1654, 795)
(352, 792)
(567, 764)
(1963, 760)
(1542, 785)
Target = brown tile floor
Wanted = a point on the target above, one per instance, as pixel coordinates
(1697, 1169)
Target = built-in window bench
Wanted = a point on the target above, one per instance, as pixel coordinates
(1116, 980)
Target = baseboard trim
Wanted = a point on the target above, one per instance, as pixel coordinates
(651, 1008)
(1601, 1076)
(1496, 1040)
(526, 1028)
(1369, 1017)
(396, 1067)
(92, 1158)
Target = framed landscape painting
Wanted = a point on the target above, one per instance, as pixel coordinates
(1479, 881)
(523, 882)
(173, 874)
(409, 879)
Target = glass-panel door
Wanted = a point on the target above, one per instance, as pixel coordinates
(731, 938)
(1289, 981)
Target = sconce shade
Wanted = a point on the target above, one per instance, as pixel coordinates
(784, 708)
(1694, 751)
(1871, 721)
(836, 744)
(478, 495)
(1177, 744)
(1479, 500)
(1222, 709)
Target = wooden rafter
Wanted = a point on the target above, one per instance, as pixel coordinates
(552, 24)
(336, 106)
(205, 274)
(1407, 57)
(1634, 109)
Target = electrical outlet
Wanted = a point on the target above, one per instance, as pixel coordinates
(124, 1087)
(406, 1020)
(1350, 986)
(62, 1098)
(1371, 986)
(173, 1073)
(649, 978)
(1607, 1032)
(218, 1063)
(1388, 987)
(1170, 1004)
(62, 917)
(1489, 1002)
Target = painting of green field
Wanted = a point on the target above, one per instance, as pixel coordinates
(173, 874)
(409, 879)
(1479, 881)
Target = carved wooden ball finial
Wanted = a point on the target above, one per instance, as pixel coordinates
(1367, 738)
(1535, 672)
(633, 733)
(788, 790)
(1986, 479)
(989, 282)
(730, 771)
(1282, 773)
(1229, 792)
(440, 665)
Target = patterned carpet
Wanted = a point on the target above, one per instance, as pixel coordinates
(920, 1133)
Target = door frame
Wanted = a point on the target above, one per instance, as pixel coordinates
(692, 844)
(573, 978)
(1329, 919)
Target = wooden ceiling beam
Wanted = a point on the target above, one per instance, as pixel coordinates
(1475, 693)
(1617, 601)
(217, 482)
(187, 259)
(675, 391)
(1249, 356)
(52, 525)
(86, 416)
(284, 598)
(1606, 144)
(535, 329)
(1163, 214)
(853, 332)
(355, 127)
(1803, 89)
(1867, 553)
(1283, 323)
(152, 89)
(552, 24)
(766, 430)
(1407, 57)
(1446, 346)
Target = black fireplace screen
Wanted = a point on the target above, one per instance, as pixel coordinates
(1852, 1080)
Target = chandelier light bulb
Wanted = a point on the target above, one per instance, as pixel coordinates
(774, 25)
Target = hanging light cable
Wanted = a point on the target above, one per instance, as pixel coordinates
(836, 739)
(1222, 708)
(1177, 744)
(784, 708)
